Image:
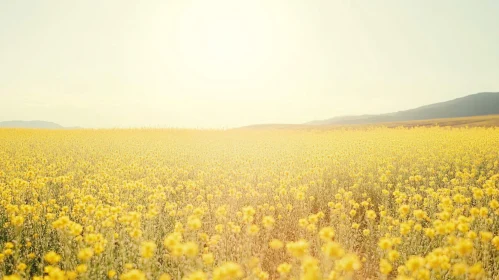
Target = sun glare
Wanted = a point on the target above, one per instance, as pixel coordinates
(224, 44)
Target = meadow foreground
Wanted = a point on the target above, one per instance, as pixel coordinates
(378, 203)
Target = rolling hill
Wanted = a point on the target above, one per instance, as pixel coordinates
(30, 124)
(480, 104)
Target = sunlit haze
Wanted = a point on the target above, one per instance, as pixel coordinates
(226, 63)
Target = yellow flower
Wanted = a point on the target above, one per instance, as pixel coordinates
(133, 274)
(253, 230)
(12, 277)
(194, 224)
(404, 210)
(219, 228)
(208, 258)
(17, 221)
(268, 222)
(147, 249)
(177, 250)
(474, 211)
(310, 268)
(393, 255)
(352, 213)
(385, 243)
(459, 269)
(52, 257)
(405, 228)
(486, 236)
(303, 223)
(228, 271)
(476, 271)
(248, 213)
(418, 227)
(172, 240)
(190, 249)
(495, 242)
(284, 268)
(333, 250)
(311, 228)
(471, 235)
(21, 266)
(82, 268)
(165, 276)
(276, 244)
(414, 263)
(385, 267)
(370, 215)
(419, 214)
(494, 204)
(85, 254)
(111, 273)
(313, 219)
(484, 212)
(349, 263)
(297, 249)
(135, 233)
(235, 229)
(326, 233)
(71, 275)
(196, 275)
(56, 273)
(464, 247)
(333, 275)
(429, 232)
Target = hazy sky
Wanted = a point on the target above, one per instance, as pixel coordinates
(226, 63)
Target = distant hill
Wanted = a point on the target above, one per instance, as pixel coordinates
(30, 124)
(475, 121)
(480, 104)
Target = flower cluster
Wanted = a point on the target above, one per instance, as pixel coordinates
(356, 203)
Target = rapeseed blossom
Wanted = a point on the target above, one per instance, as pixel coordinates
(343, 203)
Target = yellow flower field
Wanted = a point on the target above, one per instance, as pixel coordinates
(363, 203)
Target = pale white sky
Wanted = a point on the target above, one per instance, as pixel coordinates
(226, 63)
